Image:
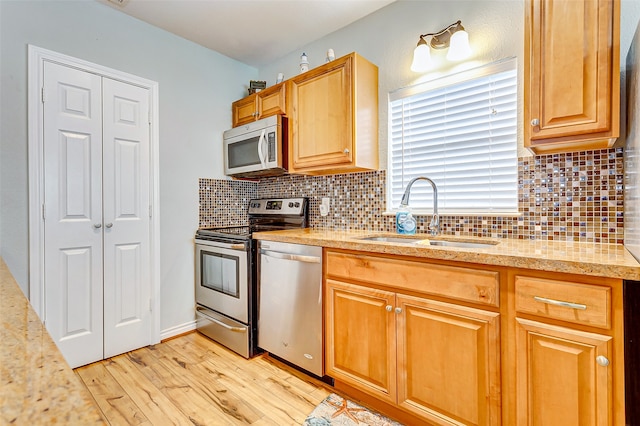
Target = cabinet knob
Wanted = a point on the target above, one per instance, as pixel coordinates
(109, 225)
(389, 308)
(602, 360)
(346, 150)
(97, 225)
(535, 122)
(398, 310)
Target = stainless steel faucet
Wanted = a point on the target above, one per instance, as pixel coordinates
(434, 225)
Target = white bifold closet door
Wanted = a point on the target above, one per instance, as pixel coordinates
(96, 214)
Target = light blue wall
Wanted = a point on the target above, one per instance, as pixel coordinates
(196, 88)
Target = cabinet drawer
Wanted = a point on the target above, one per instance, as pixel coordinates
(575, 302)
(468, 284)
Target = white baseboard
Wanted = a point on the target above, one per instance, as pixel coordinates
(178, 329)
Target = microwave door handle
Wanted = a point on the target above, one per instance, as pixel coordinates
(261, 144)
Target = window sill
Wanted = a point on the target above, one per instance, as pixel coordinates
(421, 212)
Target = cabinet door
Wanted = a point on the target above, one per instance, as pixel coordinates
(448, 362)
(570, 70)
(271, 101)
(322, 116)
(559, 379)
(360, 338)
(244, 111)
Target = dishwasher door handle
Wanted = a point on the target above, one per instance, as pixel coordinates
(288, 256)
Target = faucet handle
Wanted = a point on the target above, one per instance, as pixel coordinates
(434, 225)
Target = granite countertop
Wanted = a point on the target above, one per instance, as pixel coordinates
(595, 259)
(37, 386)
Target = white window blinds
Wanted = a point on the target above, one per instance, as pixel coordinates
(460, 131)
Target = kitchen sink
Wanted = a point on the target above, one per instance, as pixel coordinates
(467, 244)
(402, 240)
(431, 242)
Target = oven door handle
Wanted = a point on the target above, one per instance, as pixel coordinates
(220, 323)
(294, 257)
(238, 246)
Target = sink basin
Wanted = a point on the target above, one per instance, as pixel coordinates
(430, 242)
(402, 240)
(467, 244)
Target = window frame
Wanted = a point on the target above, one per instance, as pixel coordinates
(507, 64)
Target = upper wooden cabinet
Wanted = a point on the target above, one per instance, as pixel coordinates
(267, 102)
(333, 117)
(572, 75)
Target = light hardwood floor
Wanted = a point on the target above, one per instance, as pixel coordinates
(191, 380)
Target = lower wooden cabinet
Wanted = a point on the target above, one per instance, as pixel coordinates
(360, 335)
(564, 376)
(451, 343)
(437, 360)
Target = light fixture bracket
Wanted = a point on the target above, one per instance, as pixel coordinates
(440, 40)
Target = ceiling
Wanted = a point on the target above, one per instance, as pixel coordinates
(255, 32)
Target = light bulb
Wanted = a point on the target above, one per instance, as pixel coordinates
(459, 46)
(421, 57)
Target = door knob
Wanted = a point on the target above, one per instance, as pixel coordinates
(389, 308)
(535, 122)
(398, 310)
(346, 150)
(602, 360)
(109, 225)
(97, 225)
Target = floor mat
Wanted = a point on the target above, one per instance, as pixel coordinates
(338, 411)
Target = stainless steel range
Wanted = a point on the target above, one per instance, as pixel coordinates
(226, 295)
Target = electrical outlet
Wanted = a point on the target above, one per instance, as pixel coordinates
(324, 206)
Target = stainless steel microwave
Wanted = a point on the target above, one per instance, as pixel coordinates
(257, 149)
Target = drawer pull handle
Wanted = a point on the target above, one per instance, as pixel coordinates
(560, 303)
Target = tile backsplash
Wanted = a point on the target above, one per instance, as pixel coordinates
(571, 197)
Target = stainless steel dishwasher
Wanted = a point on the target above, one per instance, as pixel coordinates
(290, 303)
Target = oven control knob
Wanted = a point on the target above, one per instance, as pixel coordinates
(297, 204)
(290, 205)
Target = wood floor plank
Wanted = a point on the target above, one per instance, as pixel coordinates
(252, 390)
(266, 370)
(151, 401)
(203, 381)
(193, 380)
(256, 378)
(299, 400)
(200, 410)
(112, 399)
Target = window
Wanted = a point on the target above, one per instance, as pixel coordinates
(460, 131)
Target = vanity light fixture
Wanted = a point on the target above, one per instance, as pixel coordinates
(453, 37)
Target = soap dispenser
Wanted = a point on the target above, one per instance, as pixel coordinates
(405, 222)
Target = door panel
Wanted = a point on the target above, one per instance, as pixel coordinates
(126, 194)
(360, 338)
(75, 268)
(453, 375)
(73, 212)
(325, 139)
(558, 378)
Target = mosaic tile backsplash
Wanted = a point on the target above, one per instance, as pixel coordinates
(571, 197)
